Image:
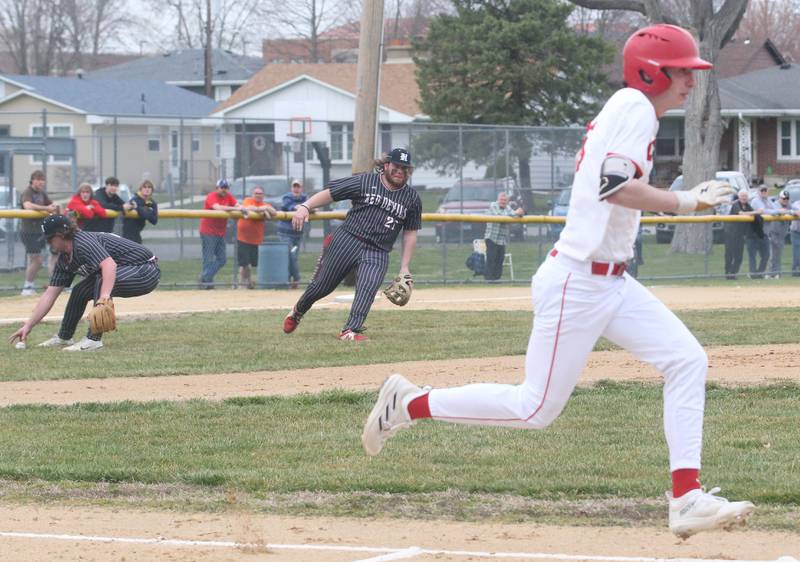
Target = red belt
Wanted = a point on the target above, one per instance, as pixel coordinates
(602, 268)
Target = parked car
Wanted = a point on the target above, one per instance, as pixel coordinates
(664, 231)
(560, 209)
(473, 197)
(793, 187)
(124, 191)
(274, 188)
(343, 205)
(9, 199)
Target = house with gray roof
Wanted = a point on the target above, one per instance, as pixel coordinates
(761, 115)
(186, 68)
(762, 109)
(130, 128)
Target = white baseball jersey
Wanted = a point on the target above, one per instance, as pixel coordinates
(597, 230)
(574, 306)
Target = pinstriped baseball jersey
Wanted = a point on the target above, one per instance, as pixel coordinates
(378, 213)
(91, 248)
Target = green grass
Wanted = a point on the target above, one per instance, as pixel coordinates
(311, 443)
(248, 341)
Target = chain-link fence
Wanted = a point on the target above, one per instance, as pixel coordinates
(459, 169)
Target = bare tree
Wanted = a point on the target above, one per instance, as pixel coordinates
(713, 24)
(231, 20)
(777, 20)
(33, 33)
(89, 25)
(308, 20)
(48, 36)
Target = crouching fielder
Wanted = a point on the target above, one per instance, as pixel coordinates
(110, 266)
(581, 291)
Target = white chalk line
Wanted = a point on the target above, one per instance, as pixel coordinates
(385, 553)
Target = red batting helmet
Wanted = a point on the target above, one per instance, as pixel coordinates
(648, 51)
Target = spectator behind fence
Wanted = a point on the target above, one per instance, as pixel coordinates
(84, 208)
(735, 233)
(496, 236)
(776, 233)
(107, 197)
(212, 232)
(755, 237)
(35, 198)
(794, 231)
(250, 234)
(147, 208)
(287, 234)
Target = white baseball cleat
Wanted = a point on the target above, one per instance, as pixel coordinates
(55, 341)
(699, 510)
(390, 412)
(85, 345)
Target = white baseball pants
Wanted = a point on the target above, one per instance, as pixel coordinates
(572, 309)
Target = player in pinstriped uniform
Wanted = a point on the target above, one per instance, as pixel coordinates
(383, 205)
(111, 266)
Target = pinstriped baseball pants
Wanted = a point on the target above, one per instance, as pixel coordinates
(345, 253)
(131, 281)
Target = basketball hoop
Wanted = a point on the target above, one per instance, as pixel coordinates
(300, 127)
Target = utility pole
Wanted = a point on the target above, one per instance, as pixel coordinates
(370, 55)
(207, 70)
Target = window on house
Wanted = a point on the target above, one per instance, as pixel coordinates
(670, 141)
(52, 131)
(154, 139)
(5, 131)
(195, 139)
(341, 141)
(386, 138)
(788, 144)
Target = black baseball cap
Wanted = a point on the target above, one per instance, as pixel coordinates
(400, 156)
(55, 224)
(223, 183)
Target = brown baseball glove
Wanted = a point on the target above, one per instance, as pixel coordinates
(102, 318)
(399, 290)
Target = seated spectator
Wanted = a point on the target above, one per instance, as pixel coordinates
(147, 208)
(84, 207)
(108, 198)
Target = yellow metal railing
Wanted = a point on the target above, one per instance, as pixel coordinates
(426, 217)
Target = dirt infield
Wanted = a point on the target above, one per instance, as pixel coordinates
(53, 532)
(341, 539)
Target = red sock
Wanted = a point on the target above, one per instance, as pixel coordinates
(685, 480)
(418, 408)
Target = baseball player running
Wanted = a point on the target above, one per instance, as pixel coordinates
(581, 291)
(383, 205)
(111, 266)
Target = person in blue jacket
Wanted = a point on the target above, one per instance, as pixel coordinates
(287, 234)
(144, 204)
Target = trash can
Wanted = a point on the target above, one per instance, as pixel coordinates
(273, 265)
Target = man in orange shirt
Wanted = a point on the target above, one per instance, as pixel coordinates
(212, 232)
(250, 233)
